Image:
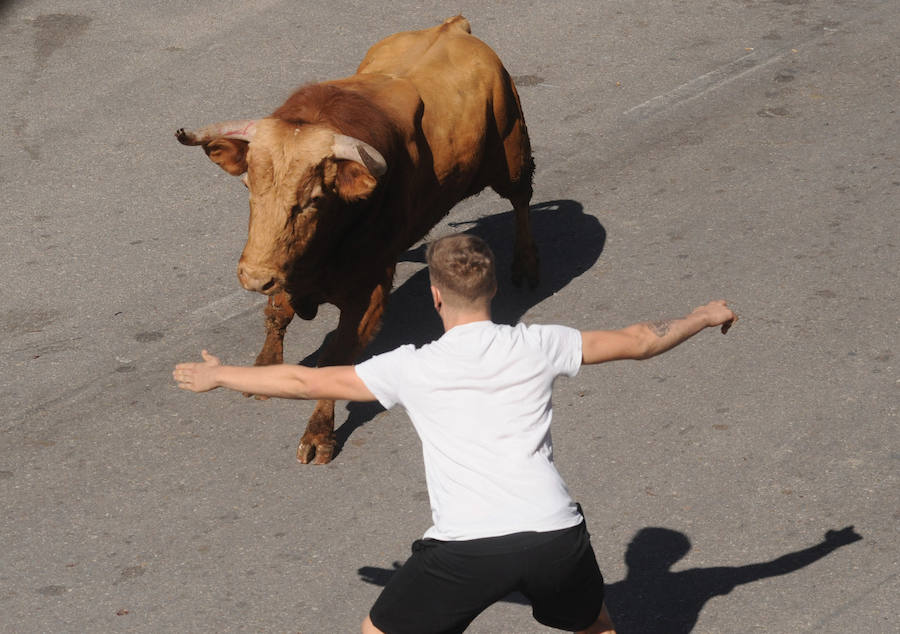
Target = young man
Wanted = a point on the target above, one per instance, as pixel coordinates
(479, 398)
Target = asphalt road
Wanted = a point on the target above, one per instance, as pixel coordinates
(686, 151)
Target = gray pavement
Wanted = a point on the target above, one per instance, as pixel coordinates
(686, 151)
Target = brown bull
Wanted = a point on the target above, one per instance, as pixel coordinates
(348, 174)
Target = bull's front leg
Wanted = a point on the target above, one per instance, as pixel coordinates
(357, 326)
(279, 314)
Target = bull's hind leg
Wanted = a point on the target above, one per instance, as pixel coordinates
(357, 326)
(525, 255)
(525, 264)
(515, 184)
(279, 314)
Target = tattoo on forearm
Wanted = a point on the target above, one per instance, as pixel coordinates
(661, 328)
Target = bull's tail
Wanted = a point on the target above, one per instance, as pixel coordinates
(459, 22)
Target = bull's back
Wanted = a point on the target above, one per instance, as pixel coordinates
(467, 94)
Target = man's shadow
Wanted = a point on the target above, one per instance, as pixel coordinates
(652, 599)
(569, 243)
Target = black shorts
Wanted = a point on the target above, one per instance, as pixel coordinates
(443, 586)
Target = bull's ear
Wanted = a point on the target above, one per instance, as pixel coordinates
(352, 181)
(229, 154)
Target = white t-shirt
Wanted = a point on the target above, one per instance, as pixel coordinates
(479, 398)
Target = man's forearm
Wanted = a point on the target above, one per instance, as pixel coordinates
(660, 336)
(648, 339)
(282, 381)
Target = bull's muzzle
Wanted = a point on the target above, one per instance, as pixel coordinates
(260, 279)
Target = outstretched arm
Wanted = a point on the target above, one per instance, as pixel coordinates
(284, 381)
(791, 562)
(645, 340)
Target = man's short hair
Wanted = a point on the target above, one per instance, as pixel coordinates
(463, 266)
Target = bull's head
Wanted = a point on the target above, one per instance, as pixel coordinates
(298, 176)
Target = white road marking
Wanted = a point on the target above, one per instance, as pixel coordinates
(225, 308)
(706, 83)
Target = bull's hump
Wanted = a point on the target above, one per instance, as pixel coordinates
(400, 54)
(458, 21)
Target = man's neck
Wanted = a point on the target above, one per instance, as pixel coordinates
(452, 319)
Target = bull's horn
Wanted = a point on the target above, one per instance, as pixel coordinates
(351, 149)
(241, 130)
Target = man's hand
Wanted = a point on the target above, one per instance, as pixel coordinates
(842, 537)
(717, 313)
(197, 377)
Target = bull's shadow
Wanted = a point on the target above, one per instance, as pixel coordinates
(652, 599)
(569, 241)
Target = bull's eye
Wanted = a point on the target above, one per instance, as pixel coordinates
(316, 200)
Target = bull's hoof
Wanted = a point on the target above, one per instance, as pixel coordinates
(315, 450)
